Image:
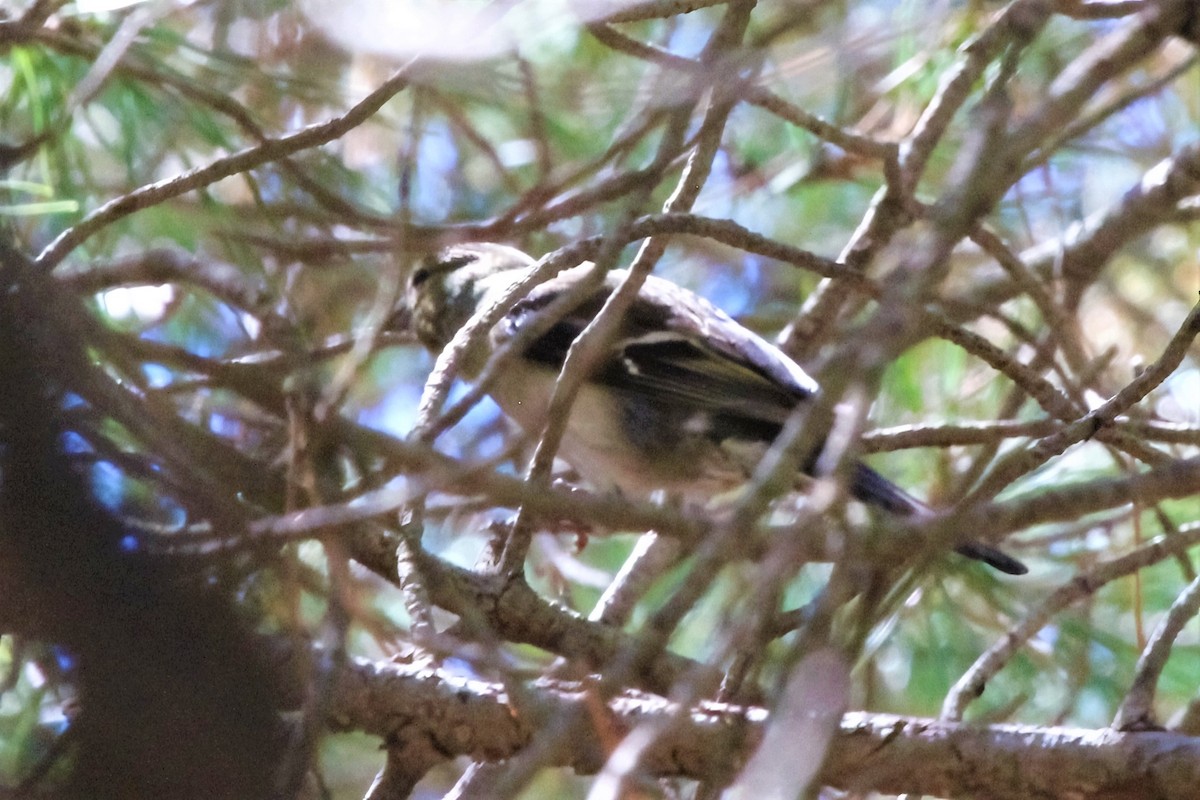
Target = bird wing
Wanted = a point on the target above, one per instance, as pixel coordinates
(677, 348)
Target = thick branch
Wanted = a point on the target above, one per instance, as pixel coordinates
(870, 752)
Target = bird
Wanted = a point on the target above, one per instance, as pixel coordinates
(685, 399)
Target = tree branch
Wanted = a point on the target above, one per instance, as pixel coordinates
(869, 752)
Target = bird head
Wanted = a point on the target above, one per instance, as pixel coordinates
(449, 286)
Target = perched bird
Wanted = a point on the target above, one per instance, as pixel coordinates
(685, 399)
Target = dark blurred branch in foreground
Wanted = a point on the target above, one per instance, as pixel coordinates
(174, 695)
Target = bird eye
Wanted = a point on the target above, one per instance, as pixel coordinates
(419, 276)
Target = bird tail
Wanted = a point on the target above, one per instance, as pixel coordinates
(869, 486)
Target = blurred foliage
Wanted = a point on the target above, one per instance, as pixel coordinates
(519, 104)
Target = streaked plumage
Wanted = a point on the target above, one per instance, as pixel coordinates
(685, 400)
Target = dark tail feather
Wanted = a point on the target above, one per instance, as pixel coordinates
(993, 558)
(869, 486)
